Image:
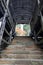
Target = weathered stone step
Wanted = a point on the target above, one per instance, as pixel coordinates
(20, 51)
(27, 63)
(23, 41)
(7, 61)
(31, 63)
(19, 60)
(22, 47)
(22, 56)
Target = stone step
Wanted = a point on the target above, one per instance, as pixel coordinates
(20, 51)
(22, 47)
(28, 63)
(20, 61)
(22, 40)
(22, 56)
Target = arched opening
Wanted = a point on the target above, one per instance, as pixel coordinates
(22, 29)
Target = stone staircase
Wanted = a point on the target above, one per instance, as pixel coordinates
(22, 51)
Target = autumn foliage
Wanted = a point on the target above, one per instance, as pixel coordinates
(20, 32)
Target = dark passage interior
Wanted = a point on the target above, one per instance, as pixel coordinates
(21, 32)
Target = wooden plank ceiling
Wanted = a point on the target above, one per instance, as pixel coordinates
(22, 10)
